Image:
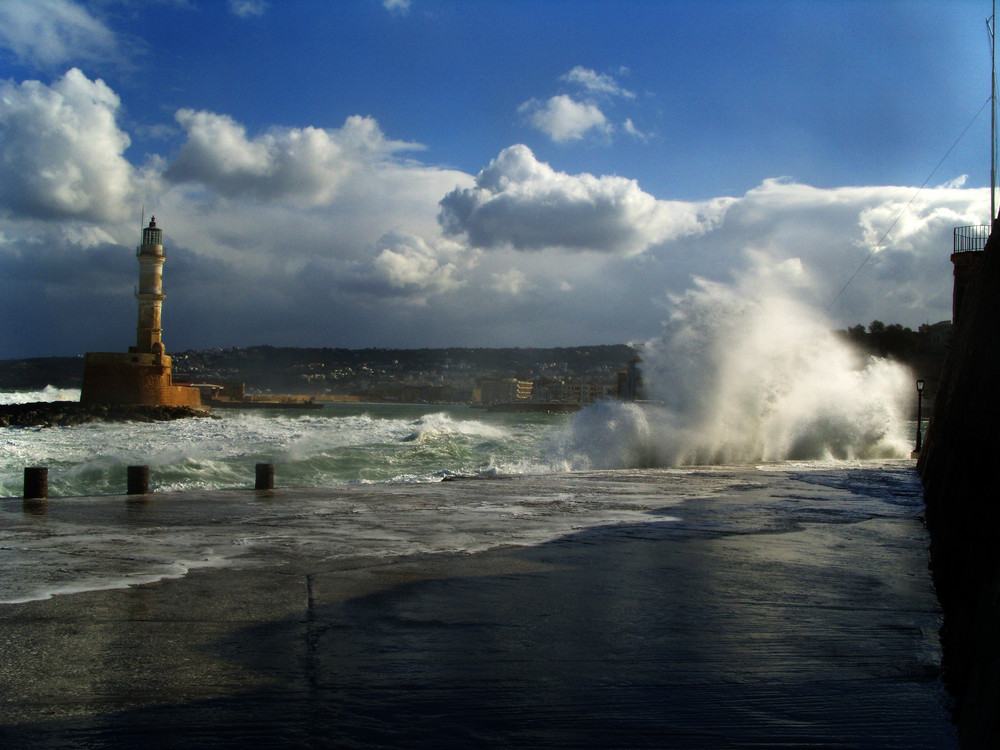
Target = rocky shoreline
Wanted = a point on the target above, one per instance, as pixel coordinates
(67, 413)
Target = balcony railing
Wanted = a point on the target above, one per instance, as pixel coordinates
(971, 239)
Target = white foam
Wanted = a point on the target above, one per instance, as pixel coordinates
(326, 448)
(167, 571)
(746, 372)
(48, 394)
(441, 424)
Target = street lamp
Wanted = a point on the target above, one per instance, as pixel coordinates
(920, 399)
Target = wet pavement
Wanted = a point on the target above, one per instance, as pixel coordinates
(778, 610)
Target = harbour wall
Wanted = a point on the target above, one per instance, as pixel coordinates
(958, 469)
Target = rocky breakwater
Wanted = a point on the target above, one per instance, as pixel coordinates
(958, 468)
(66, 413)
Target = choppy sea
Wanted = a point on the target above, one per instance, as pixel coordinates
(364, 456)
(340, 444)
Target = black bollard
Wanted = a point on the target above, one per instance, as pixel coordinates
(36, 482)
(138, 480)
(265, 477)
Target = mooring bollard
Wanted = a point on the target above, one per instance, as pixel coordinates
(265, 477)
(36, 482)
(138, 480)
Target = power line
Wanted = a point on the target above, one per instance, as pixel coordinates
(907, 206)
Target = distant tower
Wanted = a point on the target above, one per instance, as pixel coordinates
(144, 375)
(150, 295)
(630, 382)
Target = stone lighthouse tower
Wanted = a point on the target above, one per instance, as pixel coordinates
(143, 375)
(150, 295)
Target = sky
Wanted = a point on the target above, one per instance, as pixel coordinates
(432, 173)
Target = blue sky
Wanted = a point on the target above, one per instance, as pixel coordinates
(430, 173)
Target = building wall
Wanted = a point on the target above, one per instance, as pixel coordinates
(504, 390)
(133, 378)
(966, 270)
(958, 467)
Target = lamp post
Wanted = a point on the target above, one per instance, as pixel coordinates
(920, 399)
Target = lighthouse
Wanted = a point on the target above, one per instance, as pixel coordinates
(149, 334)
(143, 375)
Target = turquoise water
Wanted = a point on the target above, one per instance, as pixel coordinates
(340, 444)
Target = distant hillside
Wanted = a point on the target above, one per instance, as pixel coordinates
(317, 371)
(346, 371)
(307, 370)
(35, 374)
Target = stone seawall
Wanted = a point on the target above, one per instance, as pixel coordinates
(962, 495)
(66, 413)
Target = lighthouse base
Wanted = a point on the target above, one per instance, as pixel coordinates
(133, 378)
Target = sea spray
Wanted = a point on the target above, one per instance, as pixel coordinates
(746, 372)
(48, 394)
(606, 435)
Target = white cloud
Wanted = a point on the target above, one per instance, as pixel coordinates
(371, 269)
(563, 118)
(52, 33)
(397, 6)
(833, 232)
(61, 150)
(904, 224)
(410, 264)
(521, 202)
(629, 127)
(512, 281)
(311, 236)
(597, 83)
(247, 8)
(305, 164)
(956, 182)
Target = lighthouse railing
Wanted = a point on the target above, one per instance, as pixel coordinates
(971, 239)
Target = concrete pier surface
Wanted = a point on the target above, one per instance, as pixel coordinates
(746, 609)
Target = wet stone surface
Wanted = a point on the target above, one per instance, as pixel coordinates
(731, 608)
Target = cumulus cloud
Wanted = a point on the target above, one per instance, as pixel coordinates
(410, 264)
(563, 118)
(371, 269)
(833, 232)
(311, 236)
(903, 224)
(521, 202)
(307, 164)
(791, 214)
(61, 150)
(52, 33)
